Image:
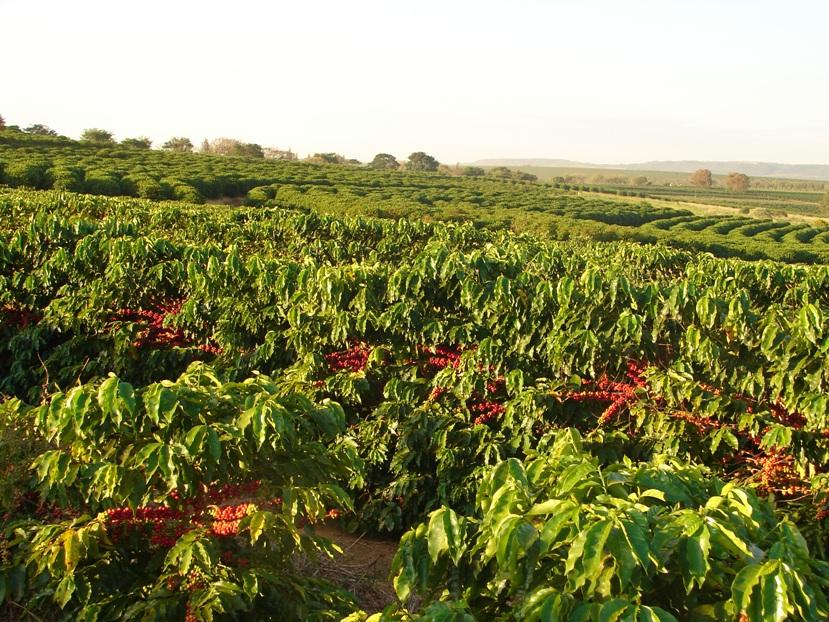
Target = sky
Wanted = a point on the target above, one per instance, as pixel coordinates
(600, 81)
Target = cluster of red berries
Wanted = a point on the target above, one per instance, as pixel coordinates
(776, 473)
(166, 524)
(19, 318)
(496, 385)
(209, 348)
(486, 411)
(225, 529)
(634, 371)
(702, 424)
(436, 393)
(194, 580)
(154, 334)
(153, 514)
(228, 517)
(441, 357)
(353, 358)
(774, 469)
(619, 394)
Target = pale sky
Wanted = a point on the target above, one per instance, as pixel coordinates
(592, 80)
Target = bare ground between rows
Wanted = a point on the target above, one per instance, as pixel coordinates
(363, 568)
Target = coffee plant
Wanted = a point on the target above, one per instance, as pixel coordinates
(556, 430)
(185, 498)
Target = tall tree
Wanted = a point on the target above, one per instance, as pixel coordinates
(178, 143)
(142, 142)
(419, 161)
(40, 130)
(384, 162)
(702, 178)
(737, 182)
(97, 136)
(2, 123)
(249, 150)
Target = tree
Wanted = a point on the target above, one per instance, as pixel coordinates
(472, 171)
(142, 142)
(97, 136)
(40, 130)
(419, 161)
(233, 147)
(737, 182)
(384, 162)
(278, 154)
(702, 178)
(178, 143)
(502, 172)
(249, 150)
(640, 180)
(205, 146)
(2, 123)
(327, 158)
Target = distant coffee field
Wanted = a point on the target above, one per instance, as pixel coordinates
(44, 162)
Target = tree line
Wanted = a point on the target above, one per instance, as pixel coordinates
(737, 182)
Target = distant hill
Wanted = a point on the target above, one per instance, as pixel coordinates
(543, 162)
(752, 169)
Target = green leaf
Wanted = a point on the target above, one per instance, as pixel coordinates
(694, 559)
(194, 440)
(655, 614)
(743, 585)
(64, 591)
(72, 550)
(214, 445)
(613, 610)
(547, 507)
(259, 522)
(588, 549)
(775, 598)
(638, 540)
(574, 475)
(438, 538)
(184, 559)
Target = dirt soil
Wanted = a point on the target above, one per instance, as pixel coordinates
(363, 568)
